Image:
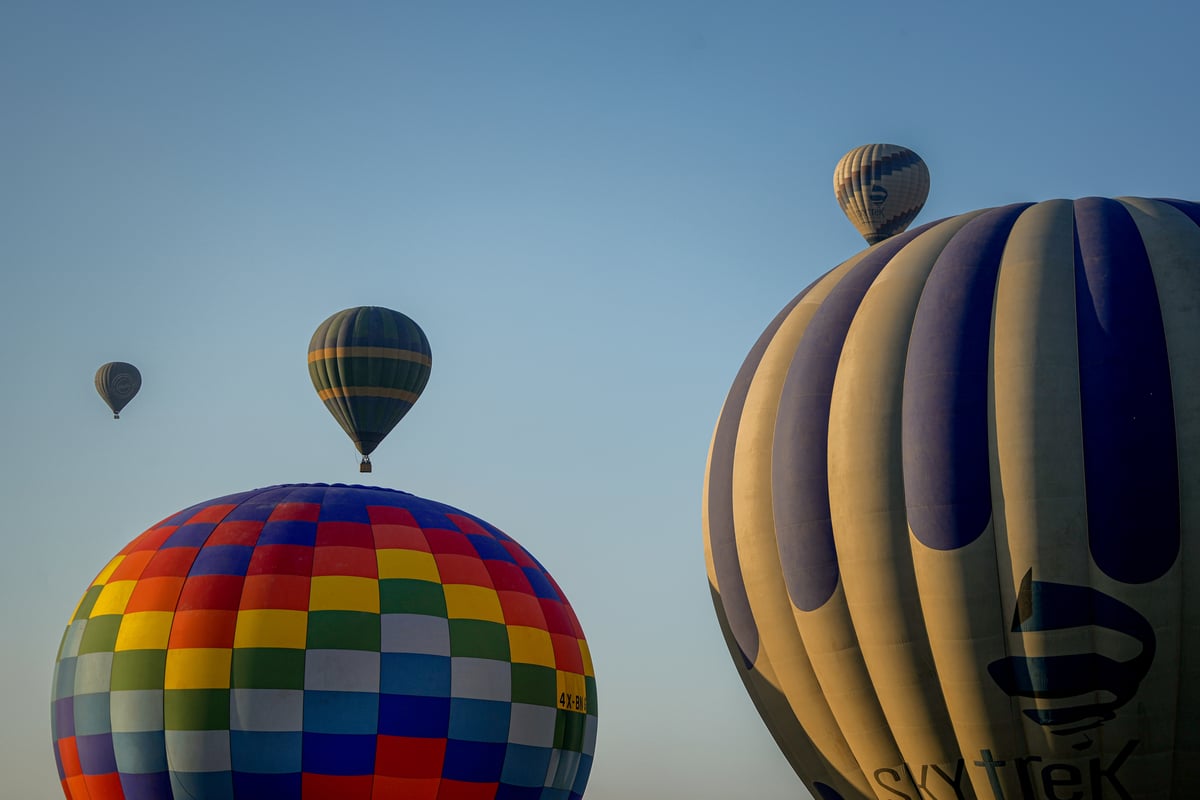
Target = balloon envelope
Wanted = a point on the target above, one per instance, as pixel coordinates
(369, 365)
(949, 507)
(118, 383)
(881, 188)
(309, 641)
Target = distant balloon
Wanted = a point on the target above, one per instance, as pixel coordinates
(369, 365)
(881, 188)
(117, 383)
(952, 510)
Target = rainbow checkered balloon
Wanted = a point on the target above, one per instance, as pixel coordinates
(332, 642)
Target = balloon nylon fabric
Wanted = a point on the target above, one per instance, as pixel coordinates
(369, 365)
(948, 501)
(117, 383)
(881, 188)
(315, 641)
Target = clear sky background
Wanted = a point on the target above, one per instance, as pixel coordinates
(593, 210)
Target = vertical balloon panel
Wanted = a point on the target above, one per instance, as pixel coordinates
(953, 538)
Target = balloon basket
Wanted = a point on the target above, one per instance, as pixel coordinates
(364, 465)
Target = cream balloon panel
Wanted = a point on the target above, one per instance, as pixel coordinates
(881, 188)
(947, 502)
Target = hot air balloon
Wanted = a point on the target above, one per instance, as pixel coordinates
(949, 506)
(309, 642)
(117, 383)
(881, 188)
(369, 365)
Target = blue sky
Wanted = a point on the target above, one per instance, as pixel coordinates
(592, 209)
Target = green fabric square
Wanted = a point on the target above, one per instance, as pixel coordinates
(267, 668)
(405, 596)
(138, 669)
(534, 685)
(343, 630)
(86, 604)
(100, 635)
(570, 726)
(196, 709)
(473, 638)
(590, 687)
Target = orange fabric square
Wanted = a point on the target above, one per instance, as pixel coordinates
(202, 629)
(409, 756)
(276, 591)
(343, 560)
(130, 569)
(153, 538)
(68, 751)
(108, 785)
(155, 594)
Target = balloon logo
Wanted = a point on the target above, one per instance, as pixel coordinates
(948, 506)
(881, 188)
(117, 383)
(369, 365)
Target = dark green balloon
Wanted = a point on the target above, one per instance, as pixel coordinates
(369, 365)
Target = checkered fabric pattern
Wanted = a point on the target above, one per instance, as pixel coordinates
(334, 642)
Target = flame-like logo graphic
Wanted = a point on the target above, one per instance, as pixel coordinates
(1067, 686)
(878, 195)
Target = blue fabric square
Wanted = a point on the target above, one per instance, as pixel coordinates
(479, 720)
(525, 765)
(507, 791)
(209, 785)
(489, 548)
(222, 559)
(249, 784)
(473, 761)
(289, 531)
(64, 718)
(190, 535)
(141, 753)
(341, 712)
(96, 754)
(541, 586)
(151, 786)
(337, 754)
(414, 674)
(406, 715)
(274, 752)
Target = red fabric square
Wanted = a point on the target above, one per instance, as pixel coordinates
(130, 569)
(519, 555)
(506, 575)
(276, 591)
(444, 541)
(389, 788)
(462, 569)
(345, 534)
(400, 537)
(281, 559)
(388, 515)
(211, 513)
(175, 562)
(467, 790)
(467, 525)
(306, 512)
(337, 560)
(522, 609)
(566, 653)
(222, 592)
(409, 756)
(241, 531)
(336, 787)
(108, 785)
(557, 620)
(68, 751)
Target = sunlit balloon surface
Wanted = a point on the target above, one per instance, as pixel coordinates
(952, 510)
(881, 188)
(335, 642)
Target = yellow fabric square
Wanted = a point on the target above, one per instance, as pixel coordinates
(271, 627)
(198, 668)
(412, 564)
(464, 601)
(145, 630)
(344, 593)
(530, 646)
(105, 573)
(113, 598)
(588, 669)
(572, 691)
